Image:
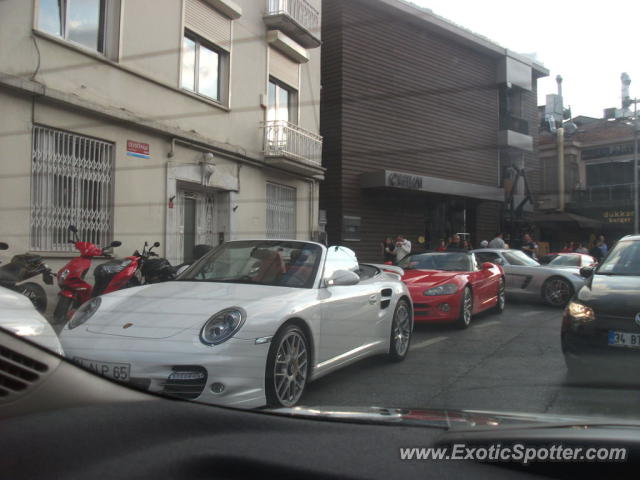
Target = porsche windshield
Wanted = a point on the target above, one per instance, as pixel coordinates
(277, 263)
(623, 260)
(446, 261)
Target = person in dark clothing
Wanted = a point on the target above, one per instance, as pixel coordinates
(597, 251)
(529, 247)
(455, 244)
(389, 249)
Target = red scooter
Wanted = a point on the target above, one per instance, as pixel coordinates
(74, 290)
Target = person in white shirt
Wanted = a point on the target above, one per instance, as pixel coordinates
(403, 248)
(497, 242)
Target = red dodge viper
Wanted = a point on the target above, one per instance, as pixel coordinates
(451, 286)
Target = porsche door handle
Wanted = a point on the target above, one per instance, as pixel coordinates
(373, 299)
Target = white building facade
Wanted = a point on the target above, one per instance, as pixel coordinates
(181, 121)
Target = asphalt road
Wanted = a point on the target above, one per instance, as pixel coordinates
(510, 362)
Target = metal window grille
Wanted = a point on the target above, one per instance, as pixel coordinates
(281, 211)
(71, 184)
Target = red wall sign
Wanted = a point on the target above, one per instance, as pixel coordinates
(138, 149)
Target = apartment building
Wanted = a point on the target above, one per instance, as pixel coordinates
(424, 123)
(179, 121)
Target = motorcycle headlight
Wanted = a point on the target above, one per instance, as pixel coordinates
(84, 313)
(446, 289)
(580, 311)
(222, 326)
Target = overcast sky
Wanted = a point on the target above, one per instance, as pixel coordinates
(590, 43)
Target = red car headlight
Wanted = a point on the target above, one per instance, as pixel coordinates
(446, 289)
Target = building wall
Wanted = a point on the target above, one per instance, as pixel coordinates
(137, 97)
(412, 101)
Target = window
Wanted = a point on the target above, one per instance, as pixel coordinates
(72, 184)
(283, 102)
(203, 67)
(90, 23)
(281, 211)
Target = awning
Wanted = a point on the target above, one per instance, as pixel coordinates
(566, 218)
(421, 183)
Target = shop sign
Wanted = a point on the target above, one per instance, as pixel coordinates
(618, 216)
(404, 180)
(138, 149)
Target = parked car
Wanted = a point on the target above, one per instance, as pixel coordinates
(568, 260)
(249, 324)
(526, 278)
(19, 315)
(601, 325)
(452, 286)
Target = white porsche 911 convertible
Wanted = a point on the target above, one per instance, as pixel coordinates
(248, 325)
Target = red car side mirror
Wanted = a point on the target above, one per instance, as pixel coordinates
(487, 266)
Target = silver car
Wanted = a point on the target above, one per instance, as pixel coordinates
(525, 277)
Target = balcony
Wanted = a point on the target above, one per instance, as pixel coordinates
(509, 122)
(296, 19)
(290, 147)
(605, 195)
(514, 133)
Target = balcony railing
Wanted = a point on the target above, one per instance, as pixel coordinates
(515, 124)
(295, 18)
(619, 193)
(286, 140)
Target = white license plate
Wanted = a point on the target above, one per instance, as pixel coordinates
(624, 339)
(117, 371)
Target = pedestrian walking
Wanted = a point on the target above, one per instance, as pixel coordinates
(403, 248)
(497, 241)
(529, 247)
(388, 250)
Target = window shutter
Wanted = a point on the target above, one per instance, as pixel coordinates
(284, 69)
(208, 23)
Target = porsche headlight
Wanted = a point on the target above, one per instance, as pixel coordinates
(446, 289)
(222, 326)
(580, 311)
(84, 313)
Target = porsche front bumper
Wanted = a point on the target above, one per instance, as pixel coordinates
(229, 374)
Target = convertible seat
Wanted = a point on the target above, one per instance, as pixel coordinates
(271, 267)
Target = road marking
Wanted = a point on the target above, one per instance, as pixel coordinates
(487, 324)
(531, 313)
(426, 343)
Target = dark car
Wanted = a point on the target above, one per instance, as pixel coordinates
(601, 324)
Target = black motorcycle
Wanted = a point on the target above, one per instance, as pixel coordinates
(158, 270)
(14, 274)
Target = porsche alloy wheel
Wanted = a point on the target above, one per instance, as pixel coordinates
(401, 329)
(557, 291)
(466, 309)
(287, 367)
(502, 297)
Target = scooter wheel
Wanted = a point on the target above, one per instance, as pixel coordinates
(62, 309)
(36, 294)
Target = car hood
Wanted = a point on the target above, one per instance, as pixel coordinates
(611, 294)
(166, 309)
(428, 277)
(445, 419)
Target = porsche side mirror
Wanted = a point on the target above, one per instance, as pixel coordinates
(73, 229)
(342, 278)
(4, 246)
(115, 243)
(487, 266)
(587, 272)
